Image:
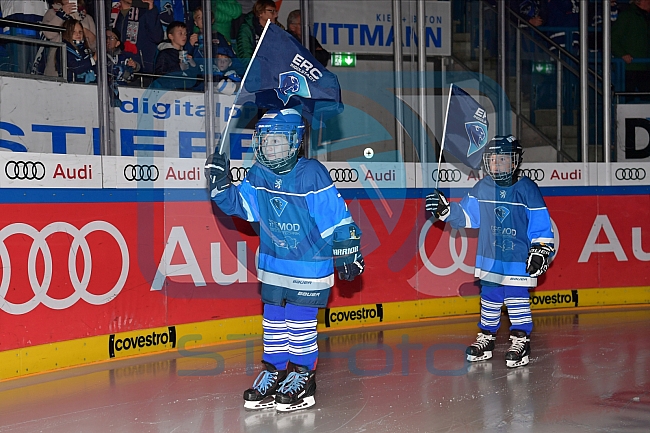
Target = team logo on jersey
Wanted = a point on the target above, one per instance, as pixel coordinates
(286, 243)
(501, 213)
(292, 83)
(278, 183)
(278, 205)
(505, 244)
(477, 133)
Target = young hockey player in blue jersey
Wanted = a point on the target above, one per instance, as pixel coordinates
(515, 243)
(305, 231)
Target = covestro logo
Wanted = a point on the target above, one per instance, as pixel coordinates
(120, 345)
(347, 316)
(555, 299)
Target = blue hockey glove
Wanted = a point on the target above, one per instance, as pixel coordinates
(538, 259)
(438, 205)
(348, 260)
(217, 171)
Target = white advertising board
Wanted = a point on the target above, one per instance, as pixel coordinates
(366, 26)
(633, 132)
(50, 117)
(42, 170)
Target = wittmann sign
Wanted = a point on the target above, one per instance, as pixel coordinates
(368, 26)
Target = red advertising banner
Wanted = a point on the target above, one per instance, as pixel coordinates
(79, 269)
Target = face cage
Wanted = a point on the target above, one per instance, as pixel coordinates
(515, 160)
(283, 159)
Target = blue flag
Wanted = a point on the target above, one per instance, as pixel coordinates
(466, 128)
(284, 74)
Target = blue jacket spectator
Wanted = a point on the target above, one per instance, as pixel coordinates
(141, 31)
(80, 61)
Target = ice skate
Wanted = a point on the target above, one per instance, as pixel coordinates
(482, 348)
(262, 394)
(519, 350)
(297, 391)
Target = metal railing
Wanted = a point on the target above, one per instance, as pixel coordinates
(14, 69)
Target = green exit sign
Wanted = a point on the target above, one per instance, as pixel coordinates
(348, 60)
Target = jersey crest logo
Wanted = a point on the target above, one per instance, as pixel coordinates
(477, 133)
(501, 213)
(292, 83)
(278, 205)
(278, 183)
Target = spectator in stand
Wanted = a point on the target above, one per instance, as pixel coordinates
(61, 11)
(225, 10)
(121, 65)
(294, 27)
(631, 40)
(140, 28)
(196, 46)
(80, 60)
(172, 59)
(251, 29)
(228, 79)
(563, 13)
(529, 9)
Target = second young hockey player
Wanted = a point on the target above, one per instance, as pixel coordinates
(305, 231)
(515, 243)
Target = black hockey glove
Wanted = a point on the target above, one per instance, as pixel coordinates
(538, 259)
(217, 171)
(348, 260)
(438, 204)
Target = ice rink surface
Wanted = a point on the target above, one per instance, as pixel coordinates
(589, 371)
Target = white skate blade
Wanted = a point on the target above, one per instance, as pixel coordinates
(302, 404)
(486, 355)
(513, 364)
(267, 402)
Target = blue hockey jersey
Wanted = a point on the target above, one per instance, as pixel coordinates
(509, 219)
(298, 213)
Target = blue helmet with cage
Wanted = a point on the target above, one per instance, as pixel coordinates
(277, 139)
(502, 157)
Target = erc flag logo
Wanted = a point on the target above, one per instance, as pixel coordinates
(292, 83)
(477, 133)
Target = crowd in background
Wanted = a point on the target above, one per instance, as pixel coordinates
(148, 46)
(143, 41)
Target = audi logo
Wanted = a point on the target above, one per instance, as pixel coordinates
(534, 174)
(446, 175)
(238, 174)
(138, 172)
(40, 245)
(344, 174)
(25, 170)
(630, 173)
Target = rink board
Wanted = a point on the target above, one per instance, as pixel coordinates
(88, 254)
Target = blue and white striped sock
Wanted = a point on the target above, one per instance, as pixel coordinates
(276, 336)
(301, 324)
(519, 313)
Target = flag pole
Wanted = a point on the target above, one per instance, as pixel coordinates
(444, 133)
(241, 86)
